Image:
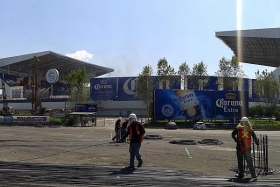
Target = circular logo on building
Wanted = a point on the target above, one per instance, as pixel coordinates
(167, 110)
(52, 76)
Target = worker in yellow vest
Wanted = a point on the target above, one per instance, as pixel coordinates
(243, 135)
(136, 132)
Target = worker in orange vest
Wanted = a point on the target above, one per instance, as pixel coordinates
(136, 132)
(243, 135)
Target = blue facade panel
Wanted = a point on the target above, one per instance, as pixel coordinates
(103, 88)
(254, 95)
(211, 85)
(245, 84)
(118, 88)
(126, 89)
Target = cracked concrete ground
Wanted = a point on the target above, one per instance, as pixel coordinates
(75, 156)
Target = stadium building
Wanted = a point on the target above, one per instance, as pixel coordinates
(19, 73)
(114, 96)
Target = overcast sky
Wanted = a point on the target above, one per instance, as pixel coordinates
(127, 35)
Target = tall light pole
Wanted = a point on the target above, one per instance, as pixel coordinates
(36, 83)
(65, 106)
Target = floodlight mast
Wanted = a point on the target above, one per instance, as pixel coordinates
(4, 97)
(36, 99)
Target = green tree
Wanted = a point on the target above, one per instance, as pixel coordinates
(144, 87)
(77, 86)
(184, 72)
(230, 72)
(267, 87)
(166, 73)
(199, 76)
(257, 110)
(276, 113)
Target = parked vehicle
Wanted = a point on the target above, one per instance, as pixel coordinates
(199, 126)
(171, 125)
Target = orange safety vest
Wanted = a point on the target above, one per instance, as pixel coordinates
(137, 130)
(244, 138)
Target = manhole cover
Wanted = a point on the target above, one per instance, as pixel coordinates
(183, 142)
(153, 137)
(210, 142)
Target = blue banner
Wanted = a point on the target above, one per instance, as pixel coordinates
(126, 89)
(119, 88)
(199, 104)
(103, 88)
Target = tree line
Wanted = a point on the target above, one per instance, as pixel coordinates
(266, 85)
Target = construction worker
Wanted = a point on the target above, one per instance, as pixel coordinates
(124, 127)
(136, 133)
(117, 130)
(243, 135)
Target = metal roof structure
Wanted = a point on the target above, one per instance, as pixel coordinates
(25, 65)
(257, 46)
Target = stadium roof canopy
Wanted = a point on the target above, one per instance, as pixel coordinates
(25, 65)
(258, 46)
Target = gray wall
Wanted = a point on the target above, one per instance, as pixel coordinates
(106, 108)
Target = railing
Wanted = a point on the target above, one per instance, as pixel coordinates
(259, 159)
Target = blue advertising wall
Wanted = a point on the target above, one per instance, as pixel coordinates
(212, 83)
(103, 88)
(118, 88)
(198, 104)
(254, 95)
(113, 88)
(244, 82)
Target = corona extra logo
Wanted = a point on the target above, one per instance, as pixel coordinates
(230, 96)
(102, 86)
(229, 104)
(103, 81)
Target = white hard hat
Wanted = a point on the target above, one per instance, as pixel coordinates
(244, 119)
(120, 118)
(132, 117)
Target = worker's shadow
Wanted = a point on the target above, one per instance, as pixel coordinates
(123, 171)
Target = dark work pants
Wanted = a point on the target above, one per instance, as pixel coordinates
(248, 158)
(123, 131)
(117, 136)
(134, 150)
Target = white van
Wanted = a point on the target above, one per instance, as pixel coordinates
(199, 126)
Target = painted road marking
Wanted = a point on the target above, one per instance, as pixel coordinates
(188, 153)
(6, 150)
(84, 134)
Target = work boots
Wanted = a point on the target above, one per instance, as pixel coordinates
(239, 175)
(140, 164)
